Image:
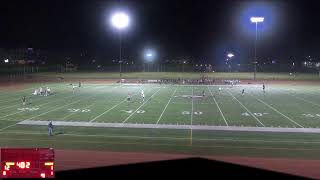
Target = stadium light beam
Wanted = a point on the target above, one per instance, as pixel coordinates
(6, 60)
(120, 21)
(256, 20)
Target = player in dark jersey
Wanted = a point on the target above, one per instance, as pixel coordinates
(263, 87)
(24, 100)
(50, 128)
(242, 93)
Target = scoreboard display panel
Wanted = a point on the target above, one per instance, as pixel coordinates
(27, 163)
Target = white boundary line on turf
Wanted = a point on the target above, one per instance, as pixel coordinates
(17, 99)
(274, 109)
(37, 106)
(112, 88)
(39, 99)
(107, 111)
(246, 109)
(43, 113)
(305, 100)
(40, 115)
(218, 106)
(140, 106)
(167, 105)
(60, 99)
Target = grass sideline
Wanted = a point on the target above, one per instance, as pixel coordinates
(175, 75)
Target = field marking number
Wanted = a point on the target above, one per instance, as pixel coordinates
(141, 111)
(256, 114)
(28, 109)
(311, 115)
(195, 113)
(78, 110)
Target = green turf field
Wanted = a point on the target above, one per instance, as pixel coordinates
(280, 107)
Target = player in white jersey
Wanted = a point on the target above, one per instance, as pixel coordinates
(142, 95)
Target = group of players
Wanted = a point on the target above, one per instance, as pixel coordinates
(42, 91)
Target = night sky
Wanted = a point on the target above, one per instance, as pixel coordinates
(196, 29)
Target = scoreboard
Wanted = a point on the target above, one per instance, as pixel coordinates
(27, 163)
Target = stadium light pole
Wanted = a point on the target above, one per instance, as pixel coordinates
(120, 21)
(256, 20)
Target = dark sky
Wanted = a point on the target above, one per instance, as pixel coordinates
(196, 29)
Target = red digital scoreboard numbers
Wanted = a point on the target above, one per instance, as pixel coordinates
(27, 163)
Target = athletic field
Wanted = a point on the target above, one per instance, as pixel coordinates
(283, 121)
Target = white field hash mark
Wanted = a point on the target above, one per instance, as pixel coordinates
(167, 105)
(247, 109)
(140, 106)
(278, 112)
(218, 106)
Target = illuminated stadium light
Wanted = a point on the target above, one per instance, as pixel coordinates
(230, 55)
(257, 19)
(149, 55)
(6, 60)
(120, 20)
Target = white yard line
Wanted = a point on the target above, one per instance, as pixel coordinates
(16, 94)
(107, 111)
(90, 104)
(305, 100)
(40, 115)
(140, 106)
(167, 105)
(278, 112)
(246, 109)
(36, 106)
(218, 106)
(43, 113)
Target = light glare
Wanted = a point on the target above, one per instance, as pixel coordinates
(120, 20)
(256, 19)
(230, 55)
